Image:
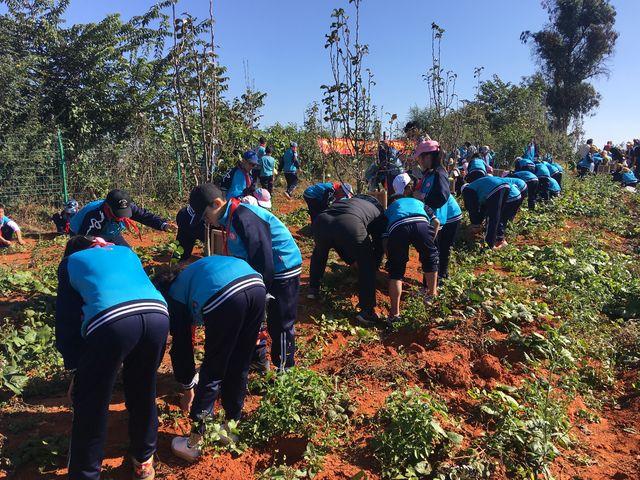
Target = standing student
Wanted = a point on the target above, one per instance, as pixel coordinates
(354, 228)
(484, 198)
(434, 190)
(531, 151)
(255, 235)
(108, 218)
(267, 164)
(239, 181)
(8, 228)
(517, 192)
(531, 182)
(290, 166)
(320, 196)
(227, 296)
(109, 315)
(410, 222)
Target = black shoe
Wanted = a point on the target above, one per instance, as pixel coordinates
(368, 319)
(313, 293)
(390, 321)
(260, 366)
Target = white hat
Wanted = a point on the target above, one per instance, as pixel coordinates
(250, 200)
(263, 197)
(401, 182)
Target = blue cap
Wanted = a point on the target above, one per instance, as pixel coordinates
(294, 144)
(250, 156)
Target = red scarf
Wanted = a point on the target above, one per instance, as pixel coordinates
(128, 223)
(225, 238)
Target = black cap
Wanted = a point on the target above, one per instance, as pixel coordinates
(120, 203)
(203, 196)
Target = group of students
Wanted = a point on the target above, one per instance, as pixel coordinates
(259, 165)
(110, 314)
(626, 162)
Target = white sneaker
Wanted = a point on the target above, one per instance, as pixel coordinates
(187, 448)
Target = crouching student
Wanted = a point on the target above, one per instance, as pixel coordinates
(555, 169)
(517, 192)
(257, 236)
(320, 196)
(110, 217)
(8, 228)
(484, 198)
(354, 228)
(544, 181)
(410, 222)
(531, 182)
(109, 315)
(625, 176)
(227, 296)
(62, 219)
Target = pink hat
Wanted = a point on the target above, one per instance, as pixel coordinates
(263, 197)
(426, 146)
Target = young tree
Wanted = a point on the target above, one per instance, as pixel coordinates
(572, 49)
(347, 100)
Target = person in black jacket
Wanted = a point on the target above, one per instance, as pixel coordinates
(190, 228)
(108, 218)
(354, 228)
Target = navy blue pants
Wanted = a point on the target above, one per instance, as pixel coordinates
(292, 181)
(509, 211)
(137, 344)
(315, 207)
(543, 188)
(444, 242)
(7, 233)
(491, 210)
(558, 178)
(532, 193)
(418, 234)
(267, 182)
(230, 333)
(281, 317)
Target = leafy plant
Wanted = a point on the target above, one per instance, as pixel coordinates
(410, 441)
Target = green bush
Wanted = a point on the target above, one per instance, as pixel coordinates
(410, 441)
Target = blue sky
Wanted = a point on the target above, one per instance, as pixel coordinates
(283, 43)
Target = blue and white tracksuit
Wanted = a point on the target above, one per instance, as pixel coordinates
(531, 181)
(227, 296)
(237, 183)
(108, 315)
(92, 220)
(485, 198)
(437, 196)
(517, 194)
(7, 228)
(257, 236)
(290, 168)
(318, 198)
(410, 222)
(190, 229)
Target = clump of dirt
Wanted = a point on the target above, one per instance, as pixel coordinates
(488, 367)
(450, 367)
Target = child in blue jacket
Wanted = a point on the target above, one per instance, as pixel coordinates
(531, 181)
(227, 296)
(290, 166)
(267, 164)
(257, 236)
(409, 222)
(320, 196)
(517, 192)
(239, 181)
(484, 198)
(109, 315)
(110, 217)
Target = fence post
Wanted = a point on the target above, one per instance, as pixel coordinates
(175, 146)
(63, 168)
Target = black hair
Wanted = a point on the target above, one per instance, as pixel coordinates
(2, 206)
(473, 176)
(165, 278)
(78, 243)
(436, 158)
(467, 144)
(262, 140)
(475, 156)
(412, 125)
(268, 150)
(590, 141)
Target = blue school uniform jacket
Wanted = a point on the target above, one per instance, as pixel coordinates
(207, 283)
(517, 189)
(525, 164)
(554, 186)
(487, 186)
(524, 175)
(628, 178)
(91, 220)
(586, 162)
(257, 236)
(190, 229)
(267, 162)
(542, 171)
(407, 210)
(290, 161)
(477, 164)
(237, 183)
(319, 191)
(96, 287)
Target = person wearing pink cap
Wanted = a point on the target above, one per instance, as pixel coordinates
(434, 191)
